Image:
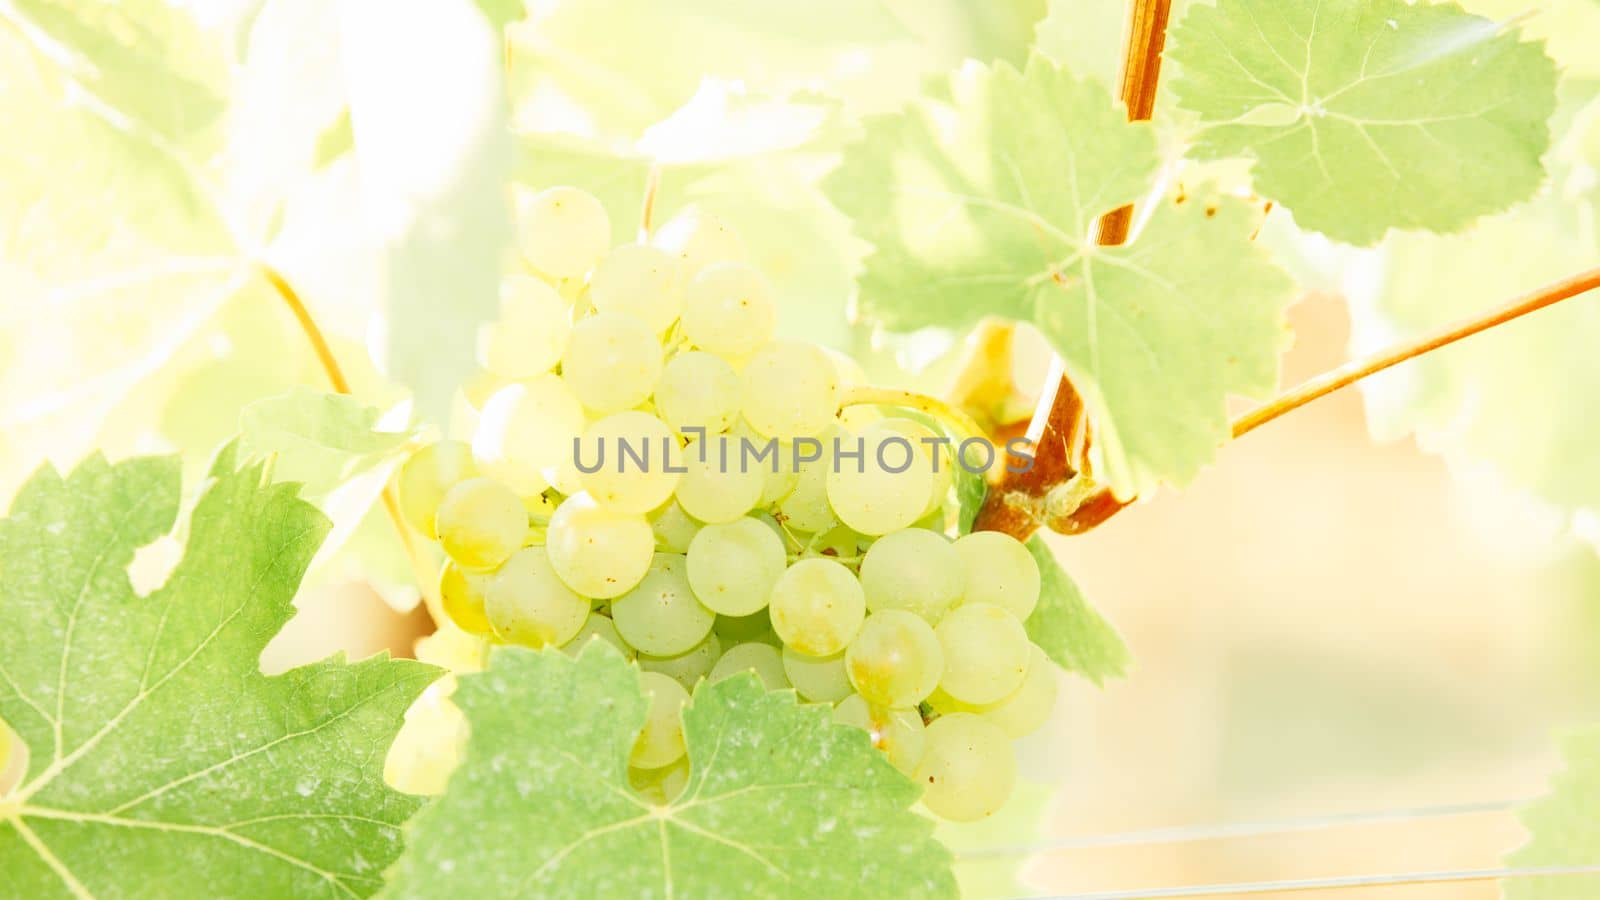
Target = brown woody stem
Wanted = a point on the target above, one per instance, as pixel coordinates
(1017, 506)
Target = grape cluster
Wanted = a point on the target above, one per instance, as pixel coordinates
(831, 575)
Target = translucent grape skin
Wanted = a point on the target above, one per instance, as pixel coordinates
(660, 743)
(734, 566)
(612, 362)
(714, 488)
(967, 769)
(913, 569)
(660, 616)
(763, 659)
(638, 479)
(674, 528)
(869, 496)
(461, 595)
(820, 679)
(1000, 570)
(425, 477)
(526, 430)
(481, 523)
(598, 552)
(1025, 709)
(598, 627)
(899, 733)
(698, 390)
(789, 390)
(564, 231)
(697, 239)
(531, 332)
(640, 281)
(528, 604)
(817, 607)
(689, 667)
(896, 661)
(986, 653)
(729, 310)
(806, 507)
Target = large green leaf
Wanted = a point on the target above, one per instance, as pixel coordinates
(1518, 398)
(1565, 830)
(162, 760)
(780, 801)
(318, 439)
(1364, 116)
(987, 207)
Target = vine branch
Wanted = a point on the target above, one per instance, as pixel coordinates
(1019, 505)
(336, 378)
(1357, 369)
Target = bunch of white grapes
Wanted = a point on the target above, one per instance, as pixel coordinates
(832, 576)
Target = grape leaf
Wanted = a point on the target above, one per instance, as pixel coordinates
(318, 439)
(1067, 629)
(780, 802)
(162, 760)
(1563, 827)
(1086, 35)
(1518, 398)
(988, 208)
(1364, 116)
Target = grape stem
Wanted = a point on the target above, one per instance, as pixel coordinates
(1060, 430)
(1357, 369)
(872, 395)
(420, 570)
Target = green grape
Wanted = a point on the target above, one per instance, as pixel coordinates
(598, 552)
(660, 616)
(598, 627)
(896, 660)
(820, 679)
(937, 457)
(999, 570)
(1025, 709)
(817, 607)
(661, 741)
(461, 595)
(526, 430)
(426, 476)
(967, 768)
(640, 281)
(899, 733)
(780, 483)
(806, 507)
(528, 603)
(629, 454)
(686, 668)
(698, 239)
(868, 495)
(674, 528)
(729, 310)
(840, 542)
(660, 786)
(531, 332)
(986, 653)
(698, 390)
(714, 489)
(612, 362)
(789, 390)
(481, 523)
(429, 745)
(754, 628)
(733, 566)
(762, 659)
(915, 570)
(564, 231)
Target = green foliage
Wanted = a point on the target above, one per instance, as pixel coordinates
(316, 438)
(1520, 397)
(161, 758)
(1067, 629)
(988, 208)
(1364, 116)
(1564, 828)
(780, 801)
